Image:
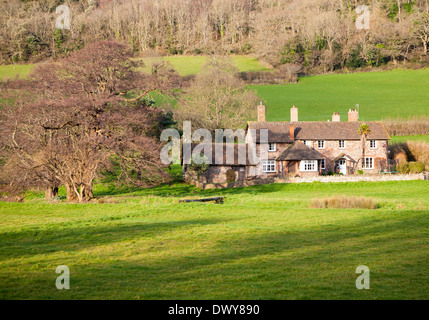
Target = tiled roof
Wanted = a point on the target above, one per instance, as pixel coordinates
(222, 159)
(299, 151)
(343, 155)
(318, 130)
(277, 131)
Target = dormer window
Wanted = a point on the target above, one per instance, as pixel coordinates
(272, 147)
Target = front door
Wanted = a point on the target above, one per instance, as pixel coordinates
(291, 167)
(342, 165)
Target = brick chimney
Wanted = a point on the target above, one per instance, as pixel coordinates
(292, 131)
(336, 117)
(353, 115)
(261, 113)
(294, 114)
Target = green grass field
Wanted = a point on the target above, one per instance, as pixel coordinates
(380, 95)
(265, 242)
(397, 139)
(185, 65)
(189, 65)
(11, 71)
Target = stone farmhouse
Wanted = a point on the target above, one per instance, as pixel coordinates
(306, 148)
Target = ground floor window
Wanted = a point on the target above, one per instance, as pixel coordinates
(308, 165)
(323, 164)
(369, 163)
(269, 166)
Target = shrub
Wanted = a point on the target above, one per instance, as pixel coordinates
(403, 168)
(400, 152)
(420, 151)
(199, 168)
(230, 175)
(416, 167)
(343, 202)
(11, 194)
(360, 171)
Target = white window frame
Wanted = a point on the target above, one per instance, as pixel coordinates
(308, 166)
(375, 144)
(323, 164)
(268, 166)
(344, 144)
(371, 162)
(318, 144)
(307, 143)
(272, 149)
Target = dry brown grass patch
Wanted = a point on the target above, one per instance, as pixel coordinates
(344, 202)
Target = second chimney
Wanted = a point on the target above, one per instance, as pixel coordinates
(292, 131)
(353, 115)
(261, 113)
(336, 117)
(294, 114)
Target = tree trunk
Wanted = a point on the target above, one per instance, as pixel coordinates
(71, 194)
(363, 152)
(86, 192)
(51, 192)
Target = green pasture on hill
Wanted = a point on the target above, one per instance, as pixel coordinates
(422, 138)
(190, 65)
(264, 242)
(380, 95)
(15, 70)
(187, 65)
(387, 94)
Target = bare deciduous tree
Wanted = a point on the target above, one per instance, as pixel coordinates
(81, 121)
(217, 98)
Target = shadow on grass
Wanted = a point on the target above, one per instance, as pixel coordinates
(311, 263)
(317, 262)
(60, 237)
(182, 190)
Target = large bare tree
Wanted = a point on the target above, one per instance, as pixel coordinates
(217, 98)
(76, 116)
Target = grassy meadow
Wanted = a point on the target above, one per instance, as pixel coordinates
(264, 242)
(185, 65)
(188, 65)
(15, 70)
(421, 137)
(380, 95)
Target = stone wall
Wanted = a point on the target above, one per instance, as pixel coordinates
(246, 183)
(218, 174)
(190, 178)
(355, 178)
